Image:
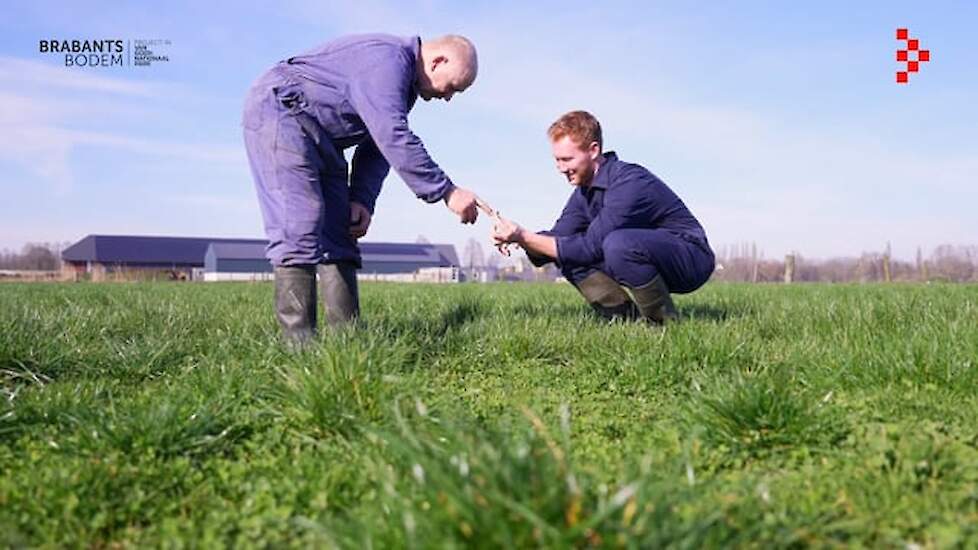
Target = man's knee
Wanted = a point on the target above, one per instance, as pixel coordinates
(626, 257)
(618, 251)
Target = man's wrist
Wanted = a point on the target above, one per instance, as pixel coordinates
(520, 235)
(449, 189)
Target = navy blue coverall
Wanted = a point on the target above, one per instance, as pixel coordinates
(630, 225)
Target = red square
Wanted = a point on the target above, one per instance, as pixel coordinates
(901, 77)
(901, 55)
(923, 55)
(913, 44)
(912, 66)
(901, 34)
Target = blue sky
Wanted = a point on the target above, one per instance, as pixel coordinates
(778, 123)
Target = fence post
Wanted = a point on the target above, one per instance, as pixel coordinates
(789, 268)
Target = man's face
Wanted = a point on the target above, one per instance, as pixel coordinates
(576, 162)
(443, 79)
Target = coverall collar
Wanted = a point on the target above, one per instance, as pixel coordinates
(600, 180)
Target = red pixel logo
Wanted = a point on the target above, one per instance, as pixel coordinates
(911, 54)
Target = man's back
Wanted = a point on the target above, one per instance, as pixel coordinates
(338, 76)
(626, 195)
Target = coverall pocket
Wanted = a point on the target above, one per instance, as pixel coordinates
(290, 138)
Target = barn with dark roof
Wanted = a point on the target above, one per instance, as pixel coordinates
(128, 256)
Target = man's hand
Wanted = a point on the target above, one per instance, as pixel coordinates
(359, 220)
(462, 202)
(505, 231)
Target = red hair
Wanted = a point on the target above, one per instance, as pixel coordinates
(581, 126)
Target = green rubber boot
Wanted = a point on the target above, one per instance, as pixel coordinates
(654, 303)
(295, 302)
(606, 297)
(338, 287)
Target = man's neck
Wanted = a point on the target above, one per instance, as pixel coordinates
(598, 163)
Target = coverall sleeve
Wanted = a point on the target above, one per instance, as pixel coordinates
(572, 219)
(368, 173)
(628, 203)
(380, 96)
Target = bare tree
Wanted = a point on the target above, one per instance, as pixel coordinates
(473, 259)
(952, 264)
(33, 257)
(886, 263)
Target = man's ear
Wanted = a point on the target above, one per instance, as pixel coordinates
(438, 60)
(595, 150)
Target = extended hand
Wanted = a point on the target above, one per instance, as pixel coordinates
(359, 220)
(462, 202)
(506, 231)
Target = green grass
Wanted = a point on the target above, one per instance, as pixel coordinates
(489, 415)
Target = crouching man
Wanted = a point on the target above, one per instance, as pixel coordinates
(621, 227)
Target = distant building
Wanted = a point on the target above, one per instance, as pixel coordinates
(102, 257)
(235, 261)
(381, 261)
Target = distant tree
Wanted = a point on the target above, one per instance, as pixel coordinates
(953, 264)
(33, 257)
(473, 257)
(7, 259)
(920, 265)
(39, 257)
(745, 263)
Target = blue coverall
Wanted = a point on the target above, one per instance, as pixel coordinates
(301, 114)
(630, 225)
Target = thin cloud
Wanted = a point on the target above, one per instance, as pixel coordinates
(41, 107)
(34, 73)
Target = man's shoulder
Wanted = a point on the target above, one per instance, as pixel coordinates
(620, 171)
(375, 46)
(376, 39)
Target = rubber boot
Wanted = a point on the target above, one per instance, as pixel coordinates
(295, 302)
(338, 287)
(606, 297)
(654, 303)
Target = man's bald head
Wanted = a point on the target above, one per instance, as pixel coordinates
(448, 65)
(463, 50)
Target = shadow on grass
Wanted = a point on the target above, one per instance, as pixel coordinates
(709, 312)
(688, 312)
(436, 334)
(457, 315)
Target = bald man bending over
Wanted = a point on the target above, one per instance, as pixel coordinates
(301, 115)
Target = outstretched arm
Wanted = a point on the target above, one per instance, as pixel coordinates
(506, 231)
(380, 96)
(541, 248)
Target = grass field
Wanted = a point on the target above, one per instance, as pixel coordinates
(489, 415)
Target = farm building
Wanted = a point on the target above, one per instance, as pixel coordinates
(101, 257)
(234, 261)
